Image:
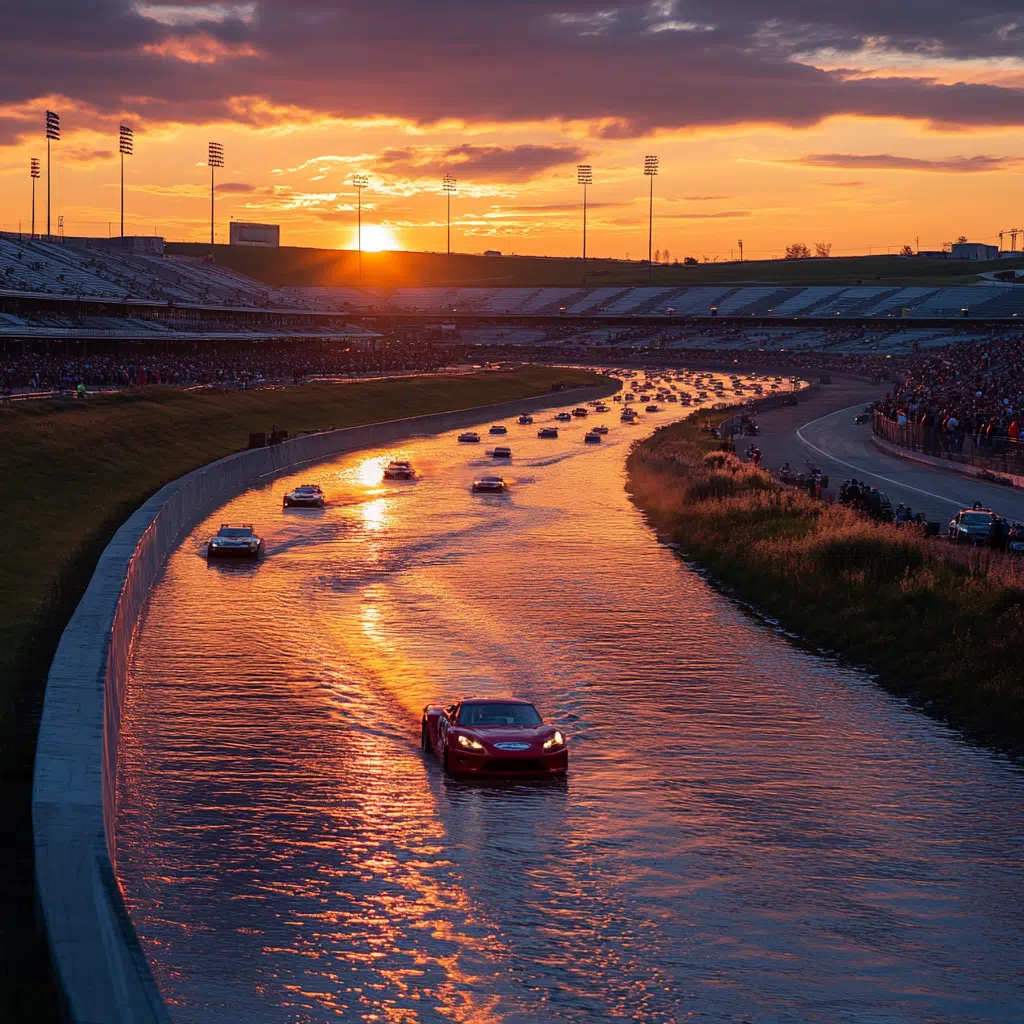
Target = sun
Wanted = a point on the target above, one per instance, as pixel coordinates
(376, 238)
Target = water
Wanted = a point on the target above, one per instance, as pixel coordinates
(747, 833)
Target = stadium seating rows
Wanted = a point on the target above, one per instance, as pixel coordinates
(52, 268)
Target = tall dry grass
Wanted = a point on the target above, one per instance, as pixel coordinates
(942, 623)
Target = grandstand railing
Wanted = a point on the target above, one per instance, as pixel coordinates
(997, 454)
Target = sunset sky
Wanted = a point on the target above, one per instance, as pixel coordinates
(864, 124)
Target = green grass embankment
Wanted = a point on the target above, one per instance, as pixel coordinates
(943, 626)
(72, 473)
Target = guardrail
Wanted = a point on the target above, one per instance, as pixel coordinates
(997, 454)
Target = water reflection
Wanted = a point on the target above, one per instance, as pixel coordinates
(746, 832)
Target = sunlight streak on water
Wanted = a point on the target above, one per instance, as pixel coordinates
(747, 831)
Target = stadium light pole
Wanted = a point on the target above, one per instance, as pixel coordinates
(584, 177)
(360, 181)
(450, 186)
(33, 169)
(650, 169)
(127, 147)
(215, 158)
(52, 135)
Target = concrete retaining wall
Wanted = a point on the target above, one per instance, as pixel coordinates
(103, 974)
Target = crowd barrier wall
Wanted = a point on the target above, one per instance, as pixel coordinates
(959, 451)
(102, 973)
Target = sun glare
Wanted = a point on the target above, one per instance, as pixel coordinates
(376, 238)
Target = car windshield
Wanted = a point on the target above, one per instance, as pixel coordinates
(498, 714)
(234, 532)
(976, 519)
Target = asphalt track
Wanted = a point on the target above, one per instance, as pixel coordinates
(822, 431)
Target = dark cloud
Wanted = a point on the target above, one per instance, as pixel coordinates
(842, 184)
(890, 162)
(480, 163)
(631, 66)
(239, 188)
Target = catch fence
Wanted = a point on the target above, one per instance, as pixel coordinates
(995, 453)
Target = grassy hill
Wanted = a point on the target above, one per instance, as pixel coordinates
(290, 265)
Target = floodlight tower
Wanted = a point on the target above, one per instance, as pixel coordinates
(740, 243)
(584, 177)
(52, 135)
(650, 169)
(127, 147)
(214, 159)
(33, 169)
(359, 182)
(450, 186)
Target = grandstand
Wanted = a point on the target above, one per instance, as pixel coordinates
(100, 270)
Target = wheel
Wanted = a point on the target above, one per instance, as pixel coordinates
(425, 738)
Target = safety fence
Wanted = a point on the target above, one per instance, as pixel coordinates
(996, 453)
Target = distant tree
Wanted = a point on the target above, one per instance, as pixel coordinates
(798, 251)
(690, 261)
(664, 256)
(675, 261)
(907, 250)
(822, 250)
(962, 240)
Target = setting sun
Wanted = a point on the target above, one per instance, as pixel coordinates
(377, 238)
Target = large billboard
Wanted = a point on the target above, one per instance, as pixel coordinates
(267, 235)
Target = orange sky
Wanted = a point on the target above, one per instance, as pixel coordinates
(861, 183)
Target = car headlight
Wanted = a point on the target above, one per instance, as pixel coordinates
(214, 543)
(254, 544)
(469, 743)
(558, 740)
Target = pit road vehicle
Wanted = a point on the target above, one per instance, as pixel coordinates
(493, 736)
(971, 526)
(235, 541)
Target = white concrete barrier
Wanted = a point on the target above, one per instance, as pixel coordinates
(103, 974)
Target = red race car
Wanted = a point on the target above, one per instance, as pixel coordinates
(494, 736)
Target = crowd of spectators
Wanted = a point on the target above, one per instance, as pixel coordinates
(968, 397)
(246, 365)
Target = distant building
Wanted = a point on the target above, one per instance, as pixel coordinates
(267, 236)
(933, 254)
(975, 251)
(492, 252)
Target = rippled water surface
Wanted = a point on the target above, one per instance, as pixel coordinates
(747, 833)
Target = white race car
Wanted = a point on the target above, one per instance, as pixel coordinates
(489, 485)
(306, 496)
(399, 469)
(235, 542)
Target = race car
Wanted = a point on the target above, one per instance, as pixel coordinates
(526, 419)
(469, 437)
(498, 428)
(235, 542)
(493, 736)
(581, 410)
(651, 408)
(601, 407)
(863, 417)
(306, 496)
(548, 432)
(591, 437)
(600, 430)
(489, 485)
(502, 452)
(564, 417)
(399, 469)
